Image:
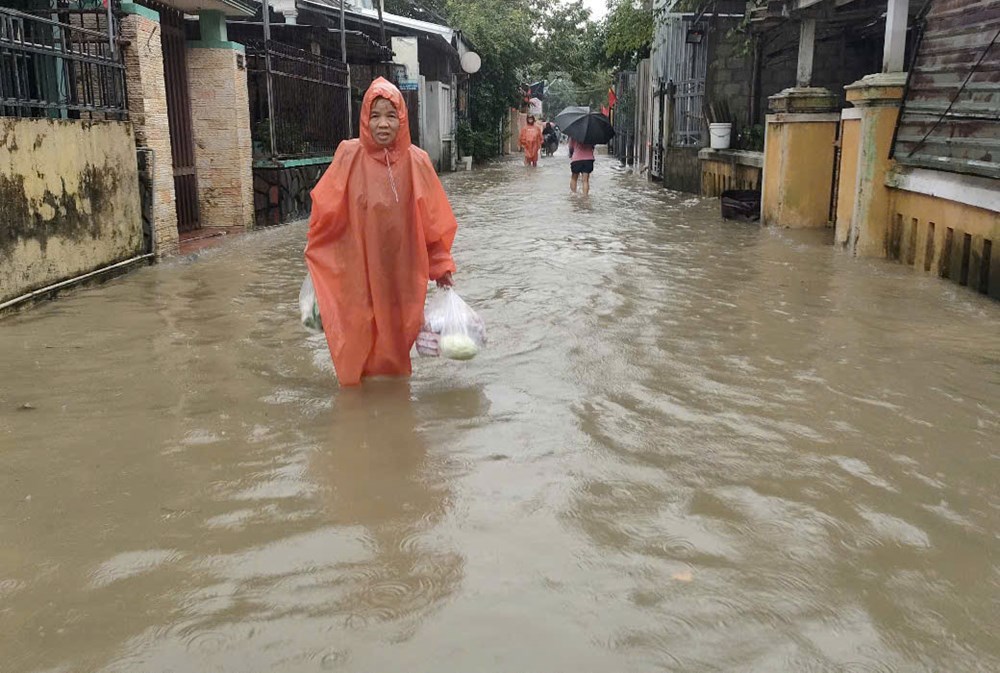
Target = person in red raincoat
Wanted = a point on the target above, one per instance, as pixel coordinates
(381, 228)
(530, 140)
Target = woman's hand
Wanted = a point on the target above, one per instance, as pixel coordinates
(445, 281)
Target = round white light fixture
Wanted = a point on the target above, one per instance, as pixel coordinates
(471, 63)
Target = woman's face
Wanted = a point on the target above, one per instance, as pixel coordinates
(384, 122)
(531, 120)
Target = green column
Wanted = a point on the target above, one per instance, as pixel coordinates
(213, 26)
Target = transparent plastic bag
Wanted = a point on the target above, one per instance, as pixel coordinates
(308, 308)
(451, 329)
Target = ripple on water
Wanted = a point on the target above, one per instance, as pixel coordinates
(131, 564)
(10, 586)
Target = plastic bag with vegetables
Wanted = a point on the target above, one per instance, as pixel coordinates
(451, 329)
(308, 308)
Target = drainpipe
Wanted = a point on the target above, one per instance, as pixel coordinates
(72, 281)
(267, 75)
(758, 63)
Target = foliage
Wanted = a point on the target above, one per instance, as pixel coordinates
(530, 40)
(563, 39)
(751, 138)
(502, 33)
(480, 145)
(628, 32)
(740, 34)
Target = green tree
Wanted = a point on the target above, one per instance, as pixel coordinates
(520, 41)
(562, 37)
(628, 32)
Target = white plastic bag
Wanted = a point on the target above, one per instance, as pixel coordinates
(451, 329)
(308, 308)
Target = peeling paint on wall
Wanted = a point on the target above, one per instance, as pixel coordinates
(69, 200)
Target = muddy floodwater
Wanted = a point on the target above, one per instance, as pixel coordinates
(692, 445)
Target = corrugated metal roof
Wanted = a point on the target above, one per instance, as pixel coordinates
(951, 117)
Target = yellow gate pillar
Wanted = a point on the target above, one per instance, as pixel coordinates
(878, 97)
(798, 158)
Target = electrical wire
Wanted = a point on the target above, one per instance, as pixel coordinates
(958, 93)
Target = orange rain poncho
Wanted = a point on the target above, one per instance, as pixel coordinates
(381, 227)
(531, 140)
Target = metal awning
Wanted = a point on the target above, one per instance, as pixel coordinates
(360, 47)
(438, 36)
(227, 7)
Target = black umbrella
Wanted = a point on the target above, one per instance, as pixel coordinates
(585, 126)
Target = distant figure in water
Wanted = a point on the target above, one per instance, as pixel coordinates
(581, 159)
(381, 227)
(531, 141)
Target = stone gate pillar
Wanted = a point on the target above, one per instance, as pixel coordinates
(220, 114)
(147, 107)
(878, 97)
(798, 158)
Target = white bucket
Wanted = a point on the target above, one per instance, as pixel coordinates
(721, 135)
(468, 163)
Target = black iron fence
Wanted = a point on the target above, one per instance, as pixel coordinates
(310, 101)
(61, 62)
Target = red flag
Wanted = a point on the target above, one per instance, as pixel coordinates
(612, 98)
(605, 111)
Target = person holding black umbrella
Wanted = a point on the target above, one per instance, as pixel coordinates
(585, 130)
(581, 162)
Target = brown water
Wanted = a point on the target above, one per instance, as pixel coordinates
(693, 445)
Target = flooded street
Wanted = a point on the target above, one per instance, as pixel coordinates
(692, 445)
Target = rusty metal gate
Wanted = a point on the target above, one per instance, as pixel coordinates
(179, 117)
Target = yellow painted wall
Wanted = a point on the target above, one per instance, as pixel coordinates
(69, 200)
(798, 170)
(719, 176)
(872, 198)
(850, 139)
(945, 238)
(770, 205)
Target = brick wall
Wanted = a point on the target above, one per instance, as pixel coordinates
(220, 112)
(147, 106)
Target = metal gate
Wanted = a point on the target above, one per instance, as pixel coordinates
(179, 118)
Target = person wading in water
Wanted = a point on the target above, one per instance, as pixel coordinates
(530, 140)
(381, 227)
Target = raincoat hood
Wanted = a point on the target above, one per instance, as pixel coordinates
(383, 88)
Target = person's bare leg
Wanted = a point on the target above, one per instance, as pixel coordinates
(572, 182)
(586, 184)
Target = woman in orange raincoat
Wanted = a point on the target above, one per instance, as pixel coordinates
(530, 140)
(381, 227)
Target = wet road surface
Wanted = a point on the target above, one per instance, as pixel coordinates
(692, 445)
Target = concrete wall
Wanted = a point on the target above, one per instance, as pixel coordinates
(69, 200)
(722, 170)
(798, 170)
(220, 114)
(431, 134)
(945, 237)
(682, 169)
(847, 179)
